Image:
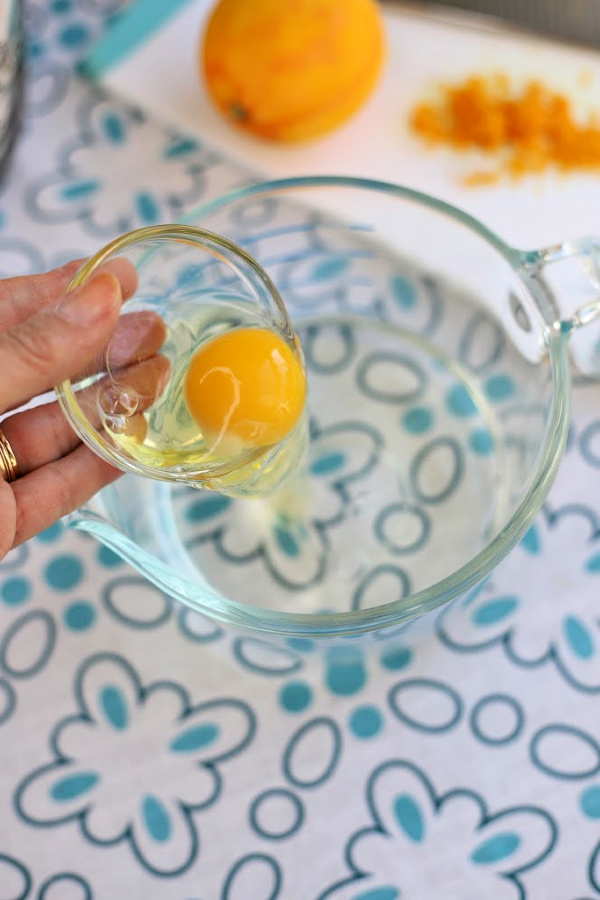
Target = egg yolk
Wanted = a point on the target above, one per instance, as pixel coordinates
(245, 388)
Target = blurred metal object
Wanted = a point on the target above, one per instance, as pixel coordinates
(12, 76)
(568, 20)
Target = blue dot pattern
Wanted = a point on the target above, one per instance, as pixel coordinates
(79, 616)
(108, 558)
(460, 402)
(74, 36)
(345, 674)
(64, 572)
(35, 50)
(295, 696)
(403, 292)
(15, 591)
(51, 534)
(590, 802)
(366, 721)
(499, 387)
(481, 442)
(396, 658)
(418, 420)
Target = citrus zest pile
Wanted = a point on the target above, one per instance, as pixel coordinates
(529, 130)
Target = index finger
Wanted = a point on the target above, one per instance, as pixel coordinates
(24, 295)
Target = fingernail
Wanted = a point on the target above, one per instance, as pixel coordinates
(94, 301)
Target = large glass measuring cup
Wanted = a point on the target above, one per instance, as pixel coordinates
(438, 362)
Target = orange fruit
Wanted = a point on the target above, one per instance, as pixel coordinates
(289, 70)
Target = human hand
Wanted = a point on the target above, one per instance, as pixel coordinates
(46, 337)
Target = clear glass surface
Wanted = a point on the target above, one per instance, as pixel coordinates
(437, 412)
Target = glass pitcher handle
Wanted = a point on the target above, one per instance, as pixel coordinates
(565, 281)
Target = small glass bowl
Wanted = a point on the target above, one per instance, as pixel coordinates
(192, 285)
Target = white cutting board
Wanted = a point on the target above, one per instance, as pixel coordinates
(162, 77)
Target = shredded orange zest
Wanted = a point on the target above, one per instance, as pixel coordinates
(529, 131)
(480, 179)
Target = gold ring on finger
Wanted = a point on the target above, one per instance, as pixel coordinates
(9, 467)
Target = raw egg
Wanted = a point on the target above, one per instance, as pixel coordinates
(246, 389)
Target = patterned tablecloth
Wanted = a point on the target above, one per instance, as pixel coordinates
(145, 754)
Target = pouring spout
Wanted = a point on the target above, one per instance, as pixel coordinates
(134, 518)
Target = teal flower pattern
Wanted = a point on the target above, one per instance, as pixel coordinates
(117, 719)
(491, 852)
(79, 189)
(553, 616)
